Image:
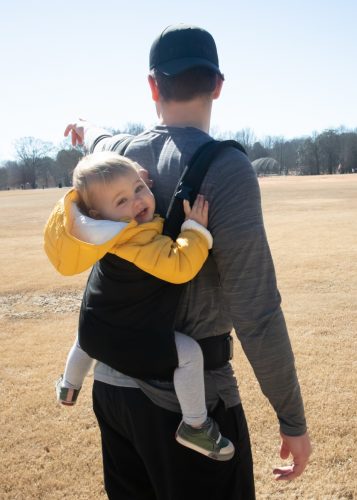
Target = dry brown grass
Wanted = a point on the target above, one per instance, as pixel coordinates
(49, 452)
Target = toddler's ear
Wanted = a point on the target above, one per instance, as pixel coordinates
(144, 174)
(94, 214)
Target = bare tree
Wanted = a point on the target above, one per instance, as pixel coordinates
(348, 152)
(45, 170)
(14, 173)
(268, 142)
(278, 152)
(258, 151)
(246, 137)
(29, 152)
(309, 161)
(4, 182)
(66, 160)
(132, 128)
(329, 149)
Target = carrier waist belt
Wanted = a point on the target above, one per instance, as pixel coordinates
(217, 351)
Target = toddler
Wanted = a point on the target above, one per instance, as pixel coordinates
(110, 202)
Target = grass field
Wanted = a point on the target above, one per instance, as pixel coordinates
(52, 452)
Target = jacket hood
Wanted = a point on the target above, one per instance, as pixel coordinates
(70, 255)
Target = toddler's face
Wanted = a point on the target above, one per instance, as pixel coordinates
(126, 197)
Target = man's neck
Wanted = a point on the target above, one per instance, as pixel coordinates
(195, 113)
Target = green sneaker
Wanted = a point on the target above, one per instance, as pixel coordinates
(206, 440)
(65, 395)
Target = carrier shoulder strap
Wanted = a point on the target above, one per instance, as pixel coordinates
(190, 182)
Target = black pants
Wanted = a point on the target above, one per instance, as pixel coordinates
(142, 460)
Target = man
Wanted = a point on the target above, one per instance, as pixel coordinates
(236, 288)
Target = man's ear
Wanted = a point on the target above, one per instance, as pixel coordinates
(94, 214)
(218, 89)
(154, 89)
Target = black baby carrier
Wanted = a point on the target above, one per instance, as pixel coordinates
(127, 316)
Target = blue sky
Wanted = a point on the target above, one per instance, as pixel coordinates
(290, 66)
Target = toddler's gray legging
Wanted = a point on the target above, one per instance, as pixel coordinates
(188, 376)
(189, 380)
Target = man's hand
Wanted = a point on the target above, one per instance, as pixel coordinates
(300, 449)
(199, 210)
(77, 130)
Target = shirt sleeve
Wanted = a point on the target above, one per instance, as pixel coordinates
(248, 279)
(98, 139)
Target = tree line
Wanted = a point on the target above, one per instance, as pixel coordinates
(39, 164)
(329, 152)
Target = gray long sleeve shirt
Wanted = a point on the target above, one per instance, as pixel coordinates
(236, 288)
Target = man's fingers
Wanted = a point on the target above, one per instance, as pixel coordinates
(300, 449)
(283, 472)
(78, 138)
(74, 138)
(68, 129)
(76, 130)
(289, 473)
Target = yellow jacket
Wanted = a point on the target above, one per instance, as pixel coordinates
(142, 244)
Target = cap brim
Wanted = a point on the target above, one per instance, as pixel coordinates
(177, 66)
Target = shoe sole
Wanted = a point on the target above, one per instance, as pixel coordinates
(209, 454)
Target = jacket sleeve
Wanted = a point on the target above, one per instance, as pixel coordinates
(173, 261)
(248, 280)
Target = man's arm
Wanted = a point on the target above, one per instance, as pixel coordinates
(93, 138)
(248, 280)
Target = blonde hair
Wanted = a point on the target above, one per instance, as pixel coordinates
(102, 167)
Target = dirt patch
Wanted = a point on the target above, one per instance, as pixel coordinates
(37, 305)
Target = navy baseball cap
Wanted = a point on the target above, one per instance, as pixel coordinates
(181, 47)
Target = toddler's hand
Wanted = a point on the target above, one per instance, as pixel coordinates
(199, 210)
